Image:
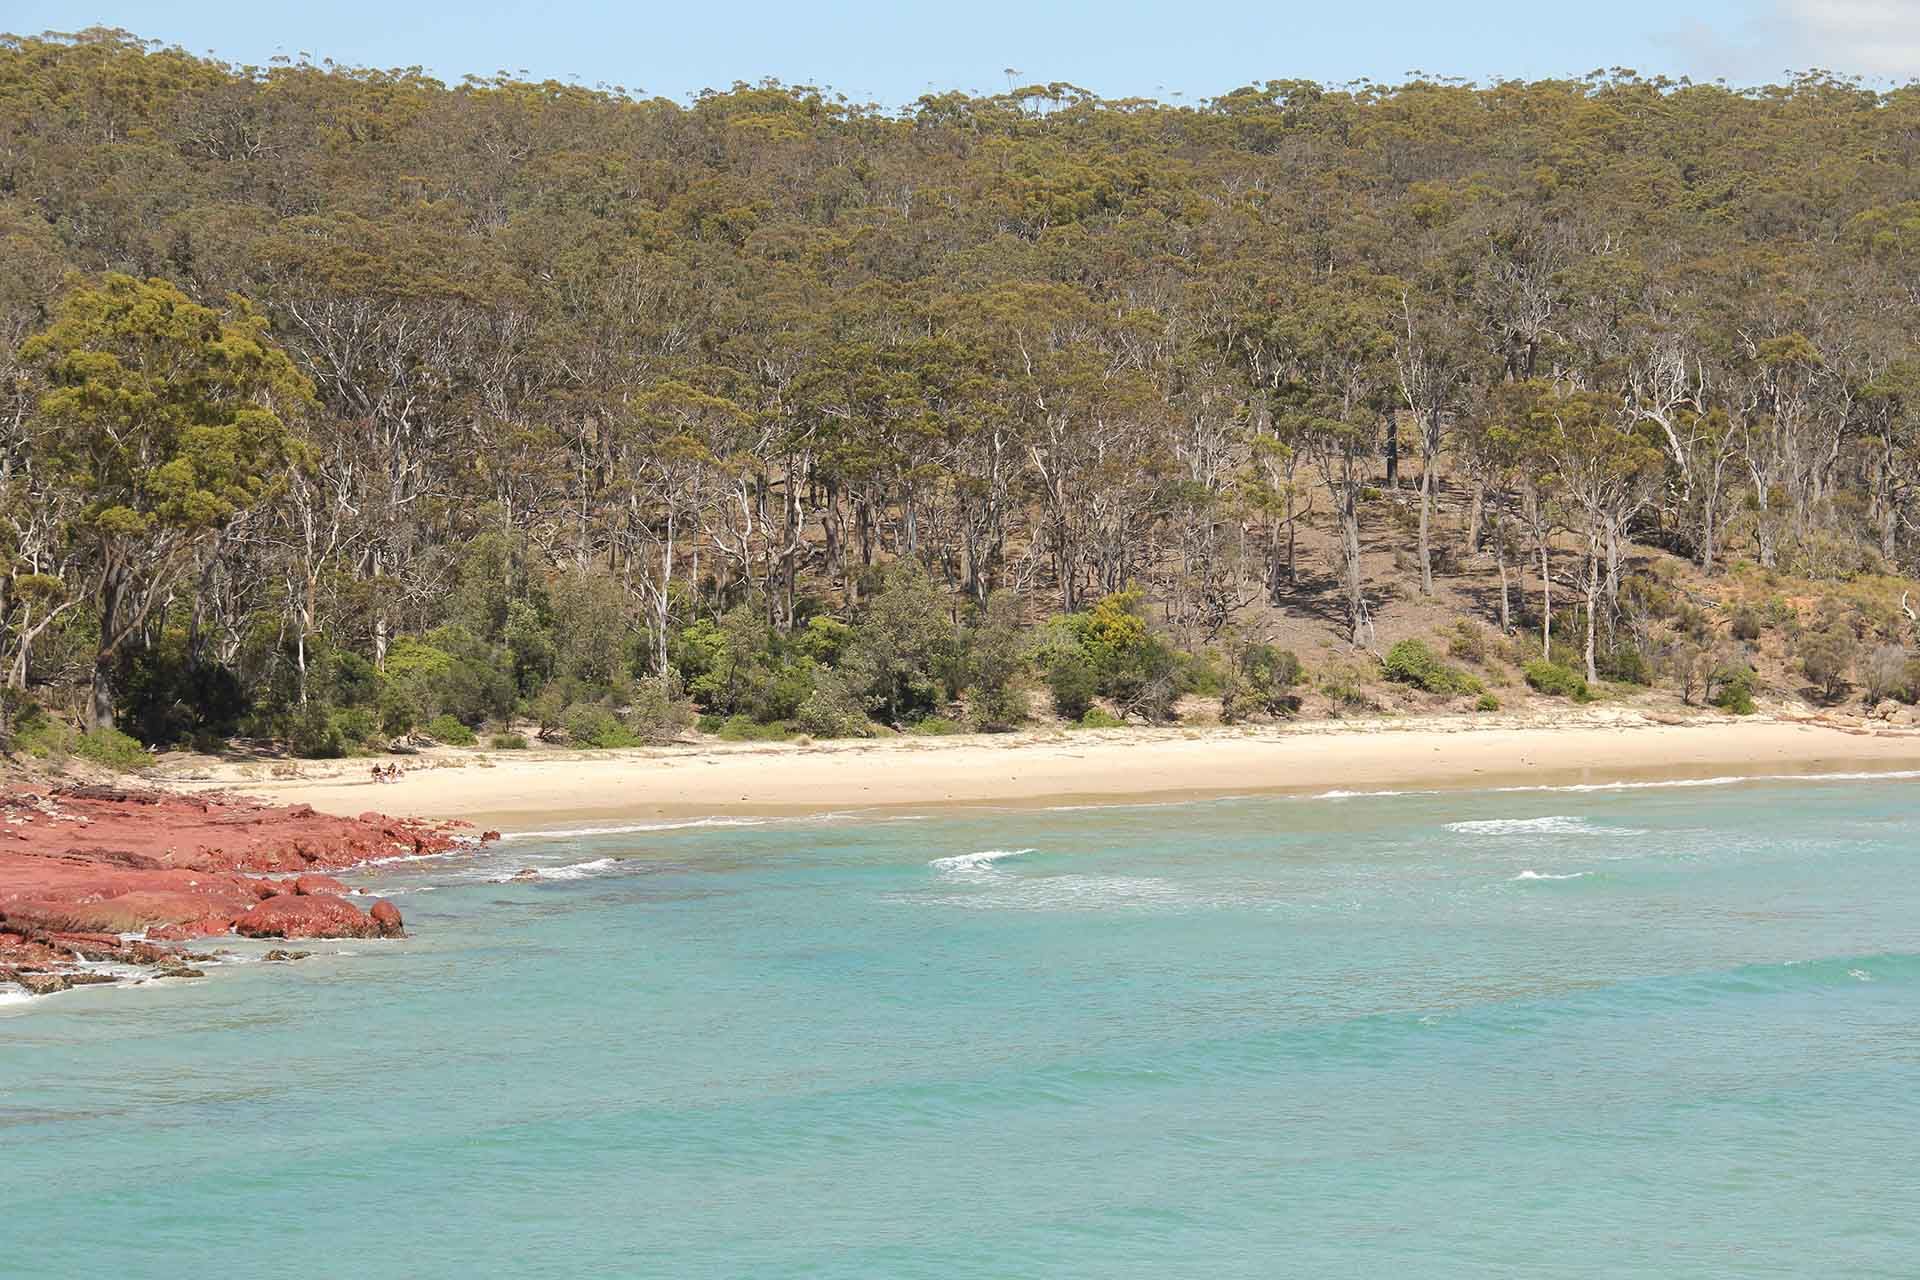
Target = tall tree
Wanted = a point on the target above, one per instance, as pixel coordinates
(170, 420)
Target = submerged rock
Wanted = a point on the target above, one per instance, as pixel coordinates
(277, 956)
(43, 984)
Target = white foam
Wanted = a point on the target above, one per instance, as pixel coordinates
(571, 871)
(1078, 893)
(981, 861)
(1559, 825)
(1548, 875)
(1726, 780)
(1366, 795)
(632, 828)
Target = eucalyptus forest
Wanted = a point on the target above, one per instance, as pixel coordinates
(338, 404)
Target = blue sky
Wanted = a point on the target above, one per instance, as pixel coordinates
(892, 53)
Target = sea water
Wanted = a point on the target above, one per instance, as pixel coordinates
(1629, 1032)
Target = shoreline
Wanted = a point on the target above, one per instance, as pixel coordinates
(546, 790)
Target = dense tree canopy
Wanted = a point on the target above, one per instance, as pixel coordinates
(587, 370)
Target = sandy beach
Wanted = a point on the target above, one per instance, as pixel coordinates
(537, 790)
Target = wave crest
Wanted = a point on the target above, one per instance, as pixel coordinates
(1556, 825)
(976, 862)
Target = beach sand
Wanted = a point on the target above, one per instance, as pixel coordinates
(545, 789)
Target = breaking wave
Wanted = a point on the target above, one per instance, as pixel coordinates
(975, 862)
(1559, 825)
(1727, 780)
(632, 828)
(1548, 875)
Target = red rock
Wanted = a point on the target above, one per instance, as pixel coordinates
(205, 927)
(387, 917)
(81, 865)
(318, 884)
(319, 915)
(488, 837)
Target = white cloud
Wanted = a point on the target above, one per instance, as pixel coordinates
(1867, 37)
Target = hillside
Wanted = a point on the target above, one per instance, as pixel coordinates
(342, 406)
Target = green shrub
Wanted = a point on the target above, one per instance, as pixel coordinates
(1411, 662)
(936, 727)
(591, 725)
(659, 710)
(1487, 702)
(444, 728)
(1555, 680)
(1098, 718)
(1072, 682)
(1261, 678)
(357, 726)
(834, 710)
(112, 749)
(1730, 688)
(19, 714)
(996, 662)
(1468, 642)
(314, 734)
(47, 739)
(507, 742)
(1826, 656)
(1626, 663)
(1748, 623)
(746, 729)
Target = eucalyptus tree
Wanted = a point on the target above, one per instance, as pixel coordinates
(171, 421)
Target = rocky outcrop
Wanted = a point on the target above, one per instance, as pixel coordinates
(386, 918)
(313, 915)
(80, 867)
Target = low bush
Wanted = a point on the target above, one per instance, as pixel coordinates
(1411, 662)
(1730, 688)
(1887, 673)
(507, 742)
(1260, 678)
(1748, 622)
(1487, 702)
(111, 749)
(744, 728)
(1557, 681)
(1100, 718)
(937, 727)
(357, 726)
(1826, 656)
(834, 710)
(1073, 683)
(1468, 641)
(1626, 663)
(443, 728)
(595, 727)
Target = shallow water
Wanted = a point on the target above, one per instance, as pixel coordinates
(1634, 1032)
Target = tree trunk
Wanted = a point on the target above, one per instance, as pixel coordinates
(1426, 541)
(1546, 603)
(1500, 558)
(1593, 604)
(1350, 542)
(113, 587)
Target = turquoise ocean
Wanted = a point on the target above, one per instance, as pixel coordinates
(1647, 1031)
